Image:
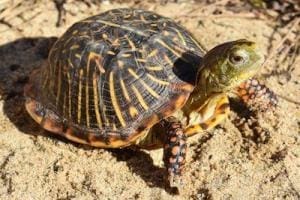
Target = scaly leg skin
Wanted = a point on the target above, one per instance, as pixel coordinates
(256, 96)
(174, 151)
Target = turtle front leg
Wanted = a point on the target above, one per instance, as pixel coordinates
(257, 96)
(174, 150)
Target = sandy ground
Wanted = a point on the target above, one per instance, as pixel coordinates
(227, 163)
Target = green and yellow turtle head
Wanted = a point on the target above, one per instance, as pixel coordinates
(229, 64)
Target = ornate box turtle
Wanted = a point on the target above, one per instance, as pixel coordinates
(133, 77)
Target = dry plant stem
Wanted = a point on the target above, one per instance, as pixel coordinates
(11, 12)
(213, 16)
(281, 42)
(25, 21)
(275, 50)
(295, 53)
(205, 7)
(59, 4)
(4, 2)
(11, 27)
(289, 99)
(10, 9)
(17, 12)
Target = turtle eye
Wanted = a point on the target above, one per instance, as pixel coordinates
(238, 57)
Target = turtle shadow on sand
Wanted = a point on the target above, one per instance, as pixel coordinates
(17, 60)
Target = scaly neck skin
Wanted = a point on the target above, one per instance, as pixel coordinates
(201, 93)
(196, 99)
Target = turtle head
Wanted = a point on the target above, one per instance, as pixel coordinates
(229, 64)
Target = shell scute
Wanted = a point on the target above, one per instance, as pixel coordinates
(116, 74)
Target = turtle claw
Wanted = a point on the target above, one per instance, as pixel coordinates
(175, 181)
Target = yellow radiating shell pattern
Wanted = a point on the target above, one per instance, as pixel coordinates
(121, 71)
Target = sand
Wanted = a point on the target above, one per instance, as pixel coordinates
(230, 162)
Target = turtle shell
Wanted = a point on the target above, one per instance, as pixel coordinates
(112, 76)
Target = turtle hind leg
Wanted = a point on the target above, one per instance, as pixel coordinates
(174, 151)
